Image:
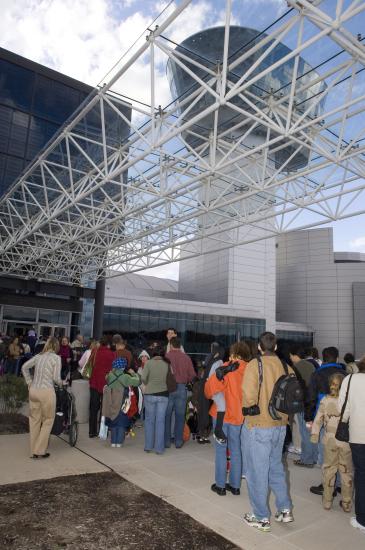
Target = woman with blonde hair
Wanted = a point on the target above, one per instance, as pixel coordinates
(42, 396)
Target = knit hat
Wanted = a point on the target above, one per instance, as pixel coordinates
(143, 353)
(120, 363)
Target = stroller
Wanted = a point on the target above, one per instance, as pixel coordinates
(65, 420)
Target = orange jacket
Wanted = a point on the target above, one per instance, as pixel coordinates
(231, 386)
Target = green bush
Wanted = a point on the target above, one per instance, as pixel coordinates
(13, 393)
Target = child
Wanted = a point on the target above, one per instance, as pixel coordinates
(337, 454)
(220, 403)
(115, 398)
(220, 371)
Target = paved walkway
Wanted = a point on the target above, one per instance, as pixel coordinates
(183, 478)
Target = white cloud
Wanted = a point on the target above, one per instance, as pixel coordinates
(85, 39)
(80, 39)
(358, 244)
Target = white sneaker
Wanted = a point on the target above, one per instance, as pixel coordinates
(260, 524)
(294, 450)
(284, 516)
(357, 525)
(118, 445)
(113, 445)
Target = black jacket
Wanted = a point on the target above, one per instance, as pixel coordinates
(319, 386)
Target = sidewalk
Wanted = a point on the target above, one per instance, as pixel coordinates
(183, 478)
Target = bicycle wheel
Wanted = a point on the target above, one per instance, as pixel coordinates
(73, 433)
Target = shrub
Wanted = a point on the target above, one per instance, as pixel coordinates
(13, 393)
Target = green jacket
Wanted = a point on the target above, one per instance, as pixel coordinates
(117, 379)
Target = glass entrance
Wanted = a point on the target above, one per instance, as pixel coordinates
(14, 328)
(53, 330)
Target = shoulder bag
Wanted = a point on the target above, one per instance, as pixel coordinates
(170, 380)
(343, 432)
(89, 366)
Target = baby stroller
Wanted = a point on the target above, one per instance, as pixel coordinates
(65, 420)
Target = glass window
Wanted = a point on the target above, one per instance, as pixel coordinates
(288, 336)
(54, 100)
(54, 317)
(16, 85)
(14, 167)
(196, 331)
(40, 132)
(19, 313)
(18, 134)
(5, 124)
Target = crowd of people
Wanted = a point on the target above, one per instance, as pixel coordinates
(249, 398)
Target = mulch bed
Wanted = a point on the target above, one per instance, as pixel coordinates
(96, 512)
(13, 424)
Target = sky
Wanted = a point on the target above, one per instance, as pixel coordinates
(86, 38)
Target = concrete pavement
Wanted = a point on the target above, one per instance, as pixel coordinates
(183, 478)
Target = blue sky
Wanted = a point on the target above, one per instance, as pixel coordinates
(84, 39)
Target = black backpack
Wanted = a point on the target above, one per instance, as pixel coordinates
(287, 396)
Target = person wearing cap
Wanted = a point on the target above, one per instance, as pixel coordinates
(120, 346)
(115, 399)
(143, 357)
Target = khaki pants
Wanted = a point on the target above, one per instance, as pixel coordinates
(42, 410)
(337, 458)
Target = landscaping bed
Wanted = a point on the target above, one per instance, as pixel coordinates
(13, 423)
(96, 511)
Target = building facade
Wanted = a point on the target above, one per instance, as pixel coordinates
(34, 103)
(322, 288)
(142, 308)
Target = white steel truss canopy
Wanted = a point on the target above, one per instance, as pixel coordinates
(221, 165)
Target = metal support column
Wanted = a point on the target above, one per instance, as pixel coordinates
(99, 309)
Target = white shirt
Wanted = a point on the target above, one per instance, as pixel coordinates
(355, 408)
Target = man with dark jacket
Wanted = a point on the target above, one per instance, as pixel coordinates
(318, 388)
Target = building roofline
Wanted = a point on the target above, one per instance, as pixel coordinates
(43, 70)
(349, 257)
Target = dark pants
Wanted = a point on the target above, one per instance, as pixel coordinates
(203, 411)
(95, 405)
(177, 403)
(358, 458)
(11, 366)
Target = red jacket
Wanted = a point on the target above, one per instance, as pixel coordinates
(102, 365)
(231, 386)
(181, 366)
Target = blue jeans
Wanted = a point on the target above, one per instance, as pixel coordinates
(117, 435)
(309, 450)
(154, 425)
(265, 470)
(233, 435)
(243, 457)
(177, 403)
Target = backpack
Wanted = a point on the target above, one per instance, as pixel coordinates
(287, 396)
(130, 402)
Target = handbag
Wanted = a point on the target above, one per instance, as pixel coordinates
(170, 380)
(343, 432)
(88, 368)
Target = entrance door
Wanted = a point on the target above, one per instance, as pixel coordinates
(53, 330)
(13, 328)
(60, 332)
(45, 331)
